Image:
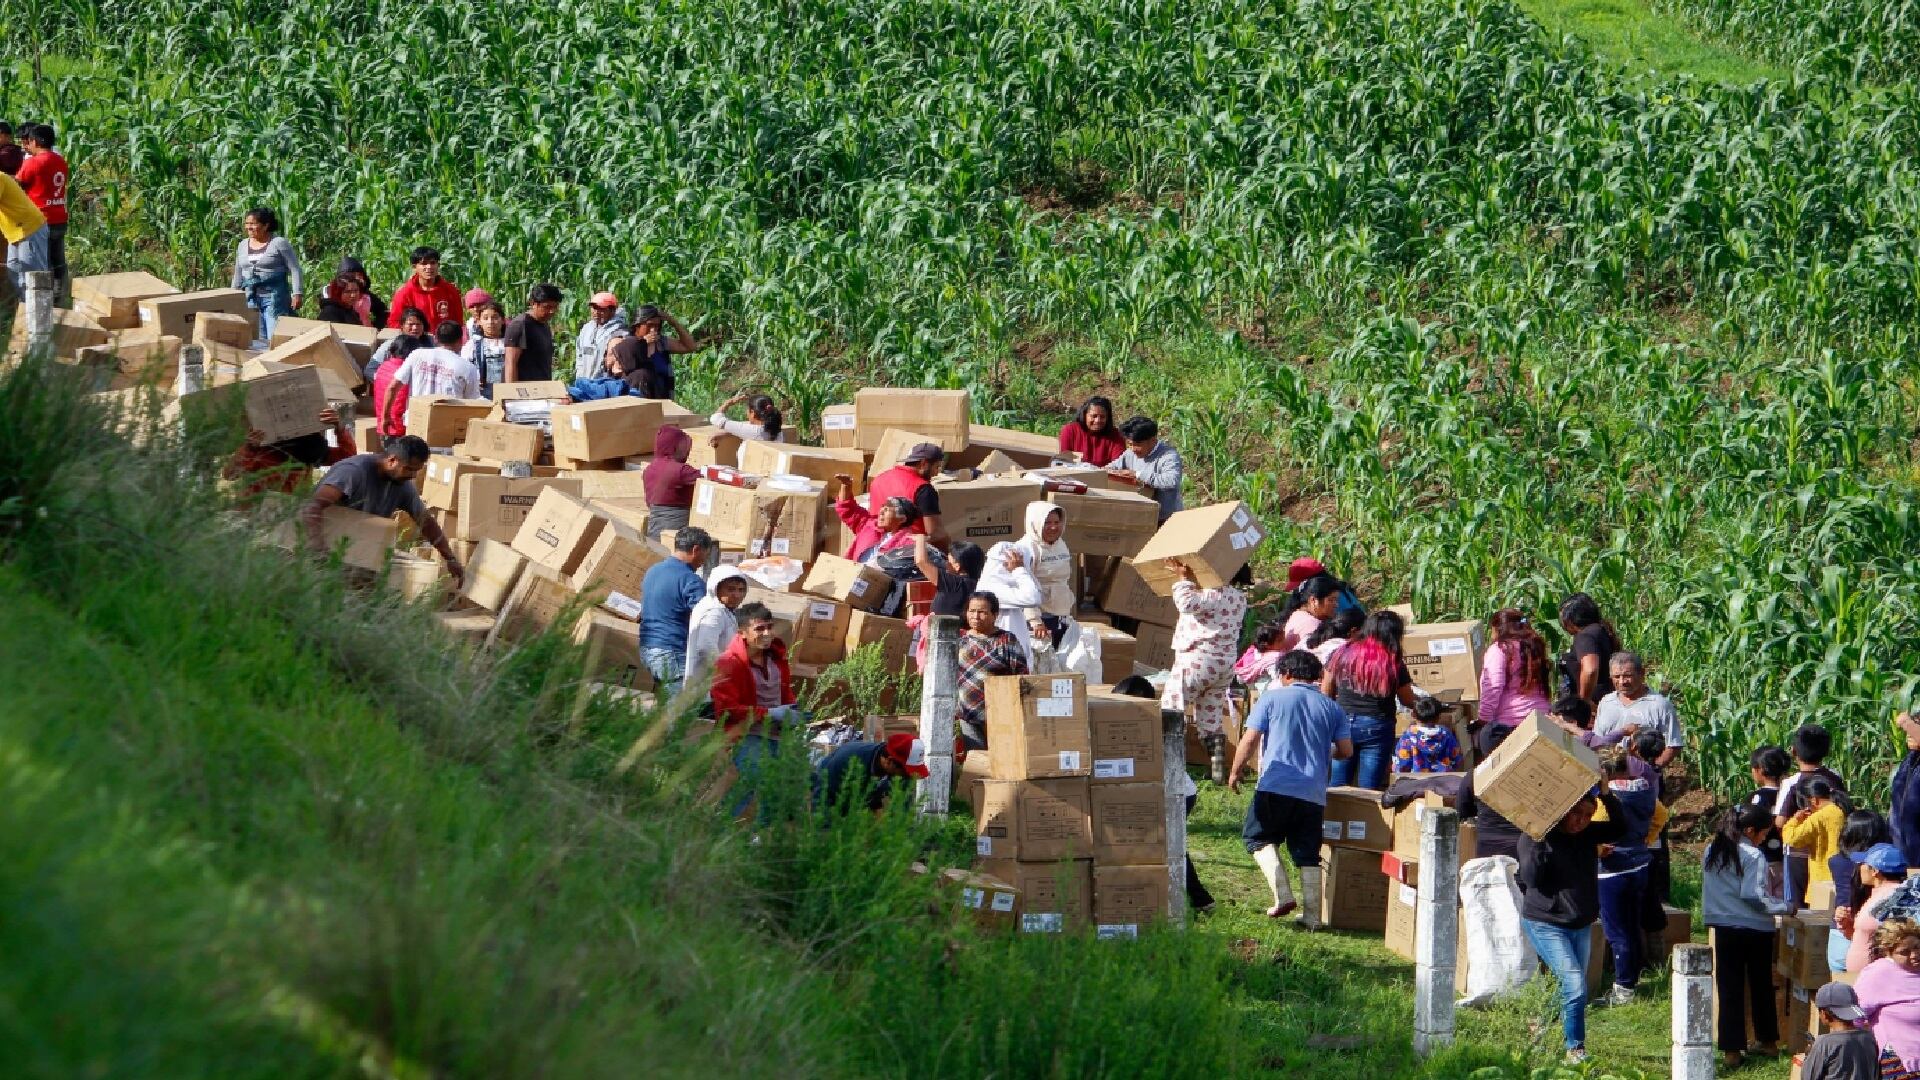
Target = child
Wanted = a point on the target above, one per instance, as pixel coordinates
(1814, 830)
(1847, 1051)
(1736, 906)
(1623, 874)
(1429, 746)
(1770, 765)
(1255, 668)
(1811, 743)
(1863, 830)
(1884, 870)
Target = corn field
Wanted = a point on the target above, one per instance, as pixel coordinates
(1519, 324)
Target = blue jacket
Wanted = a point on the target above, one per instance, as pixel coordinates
(667, 596)
(1905, 818)
(599, 389)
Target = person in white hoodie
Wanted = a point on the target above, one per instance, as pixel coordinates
(1011, 581)
(711, 627)
(1061, 645)
(1048, 557)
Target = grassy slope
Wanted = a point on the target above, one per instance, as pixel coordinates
(1631, 34)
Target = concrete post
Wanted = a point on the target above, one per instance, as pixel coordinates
(1693, 1012)
(939, 695)
(1173, 728)
(39, 305)
(193, 370)
(1436, 933)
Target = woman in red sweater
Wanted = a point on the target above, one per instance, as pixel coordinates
(1091, 434)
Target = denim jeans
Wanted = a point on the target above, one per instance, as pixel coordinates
(1565, 954)
(271, 299)
(1372, 753)
(1620, 899)
(668, 667)
(747, 756)
(30, 254)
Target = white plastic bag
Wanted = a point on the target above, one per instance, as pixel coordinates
(1499, 956)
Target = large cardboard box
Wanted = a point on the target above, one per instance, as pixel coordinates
(1054, 896)
(986, 511)
(221, 328)
(738, 516)
(820, 634)
(1409, 820)
(286, 404)
(1023, 448)
(530, 390)
(493, 507)
(173, 313)
(613, 647)
(1127, 898)
(118, 366)
(1037, 726)
(440, 484)
(1034, 820)
(331, 387)
(321, 348)
(817, 463)
(853, 584)
(1126, 739)
(492, 440)
(1213, 541)
(113, 300)
(941, 414)
(558, 532)
(1354, 818)
(1129, 595)
(1535, 776)
(618, 560)
(359, 341)
(838, 425)
(1402, 910)
(1444, 658)
(1115, 523)
(625, 486)
(1117, 652)
(606, 429)
(442, 421)
(895, 444)
(1130, 824)
(1353, 893)
(713, 446)
(468, 626)
(992, 903)
(369, 540)
(538, 600)
(893, 635)
(1810, 957)
(1153, 646)
(492, 572)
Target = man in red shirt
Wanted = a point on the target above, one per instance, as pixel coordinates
(912, 480)
(435, 296)
(43, 175)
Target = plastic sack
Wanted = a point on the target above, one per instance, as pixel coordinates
(1499, 956)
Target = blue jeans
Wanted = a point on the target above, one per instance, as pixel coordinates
(30, 254)
(271, 300)
(1836, 949)
(747, 756)
(1565, 954)
(668, 667)
(1372, 753)
(1621, 897)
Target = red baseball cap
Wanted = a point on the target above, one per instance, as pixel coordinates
(1301, 569)
(603, 298)
(476, 297)
(910, 752)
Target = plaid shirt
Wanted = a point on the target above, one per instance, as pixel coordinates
(996, 652)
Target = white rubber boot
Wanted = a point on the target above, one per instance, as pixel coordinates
(1309, 917)
(1268, 859)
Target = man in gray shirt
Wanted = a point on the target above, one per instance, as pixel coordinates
(1632, 707)
(379, 484)
(1150, 465)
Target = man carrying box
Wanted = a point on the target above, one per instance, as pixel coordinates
(379, 484)
(1297, 732)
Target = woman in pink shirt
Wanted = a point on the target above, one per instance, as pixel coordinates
(1889, 991)
(1513, 674)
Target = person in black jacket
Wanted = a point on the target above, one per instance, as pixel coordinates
(1561, 877)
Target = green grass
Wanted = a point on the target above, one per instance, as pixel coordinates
(1630, 34)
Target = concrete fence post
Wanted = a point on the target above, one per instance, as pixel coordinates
(1693, 1012)
(39, 305)
(1436, 931)
(1173, 737)
(193, 370)
(939, 695)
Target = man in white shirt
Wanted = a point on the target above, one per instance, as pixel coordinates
(1632, 707)
(438, 371)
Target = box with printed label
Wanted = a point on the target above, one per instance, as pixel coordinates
(1055, 896)
(558, 532)
(440, 484)
(838, 425)
(1444, 658)
(1128, 594)
(1354, 891)
(1213, 541)
(1126, 739)
(1037, 726)
(894, 637)
(818, 463)
(738, 517)
(1117, 652)
(713, 446)
(492, 573)
(1034, 820)
(820, 635)
(1354, 818)
(173, 313)
(1535, 776)
(851, 583)
(1407, 822)
(318, 347)
(530, 390)
(493, 440)
(1117, 523)
(493, 507)
(986, 511)
(606, 429)
(285, 404)
(618, 560)
(1153, 646)
(941, 414)
(1127, 898)
(442, 421)
(1130, 824)
(992, 903)
(113, 300)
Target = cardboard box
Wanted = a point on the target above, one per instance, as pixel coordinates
(331, 388)
(558, 532)
(1353, 893)
(1054, 896)
(1800, 1012)
(492, 572)
(941, 414)
(820, 634)
(1129, 824)
(442, 421)
(838, 427)
(369, 540)
(993, 904)
(607, 429)
(895, 444)
(1354, 818)
(1128, 898)
(1126, 739)
(538, 600)
(319, 348)
(1444, 658)
(117, 366)
(1213, 541)
(494, 507)
(1535, 776)
(986, 511)
(626, 486)
(492, 440)
(618, 560)
(417, 578)
(286, 404)
(1117, 653)
(440, 484)
(72, 331)
(893, 635)
(222, 328)
(1117, 523)
(173, 313)
(1402, 917)
(1024, 449)
(1128, 595)
(1810, 957)
(359, 341)
(1037, 726)
(1034, 820)
(613, 647)
(1407, 822)
(817, 463)
(530, 390)
(738, 516)
(113, 300)
(713, 446)
(1153, 646)
(469, 626)
(1820, 895)
(853, 584)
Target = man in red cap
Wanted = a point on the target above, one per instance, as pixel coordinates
(912, 480)
(1306, 568)
(879, 763)
(607, 325)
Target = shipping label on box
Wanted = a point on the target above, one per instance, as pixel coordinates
(493, 440)
(1129, 595)
(1535, 776)
(1444, 658)
(1130, 824)
(440, 484)
(1212, 541)
(442, 421)
(941, 414)
(993, 903)
(1126, 739)
(854, 584)
(1054, 896)
(1034, 820)
(493, 507)
(1037, 726)
(1116, 523)
(837, 427)
(986, 511)
(558, 531)
(1128, 898)
(606, 429)
(1359, 818)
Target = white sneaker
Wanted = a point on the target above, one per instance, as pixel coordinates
(1619, 995)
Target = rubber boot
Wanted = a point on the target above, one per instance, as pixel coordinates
(1268, 859)
(1217, 748)
(1309, 917)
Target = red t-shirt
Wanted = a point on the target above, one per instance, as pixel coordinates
(44, 177)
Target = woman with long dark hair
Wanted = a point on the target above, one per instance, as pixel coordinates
(1366, 678)
(1513, 674)
(1583, 667)
(267, 269)
(1738, 906)
(1092, 434)
(763, 422)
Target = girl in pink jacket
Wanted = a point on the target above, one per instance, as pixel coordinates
(1513, 674)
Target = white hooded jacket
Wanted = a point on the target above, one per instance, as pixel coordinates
(1015, 589)
(1052, 564)
(711, 627)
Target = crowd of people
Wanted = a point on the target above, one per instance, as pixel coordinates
(33, 205)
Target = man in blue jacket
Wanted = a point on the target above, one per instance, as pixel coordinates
(667, 597)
